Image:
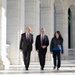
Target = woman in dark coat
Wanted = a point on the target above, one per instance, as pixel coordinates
(56, 48)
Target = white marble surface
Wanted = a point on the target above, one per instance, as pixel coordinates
(67, 68)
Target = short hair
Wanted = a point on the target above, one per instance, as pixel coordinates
(42, 29)
(28, 27)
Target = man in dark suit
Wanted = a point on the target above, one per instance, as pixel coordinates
(41, 45)
(26, 46)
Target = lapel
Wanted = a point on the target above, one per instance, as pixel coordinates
(25, 35)
(30, 36)
(40, 38)
(45, 38)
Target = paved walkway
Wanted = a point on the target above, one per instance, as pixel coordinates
(67, 68)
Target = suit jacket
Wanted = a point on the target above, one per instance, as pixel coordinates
(38, 42)
(24, 44)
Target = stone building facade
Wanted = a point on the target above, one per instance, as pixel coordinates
(53, 15)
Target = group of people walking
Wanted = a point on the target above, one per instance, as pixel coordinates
(41, 44)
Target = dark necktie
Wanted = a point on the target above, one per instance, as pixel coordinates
(42, 38)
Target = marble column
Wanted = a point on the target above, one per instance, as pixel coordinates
(47, 20)
(59, 22)
(15, 26)
(21, 26)
(73, 28)
(32, 20)
(65, 34)
(2, 33)
(58, 12)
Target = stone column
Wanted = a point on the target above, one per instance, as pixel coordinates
(32, 20)
(15, 26)
(21, 25)
(59, 22)
(2, 32)
(47, 20)
(73, 28)
(58, 15)
(65, 33)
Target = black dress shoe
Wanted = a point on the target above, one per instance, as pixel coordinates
(26, 68)
(54, 67)
(42, 68)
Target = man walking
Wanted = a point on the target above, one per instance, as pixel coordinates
(41, 45)
(26, 46)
